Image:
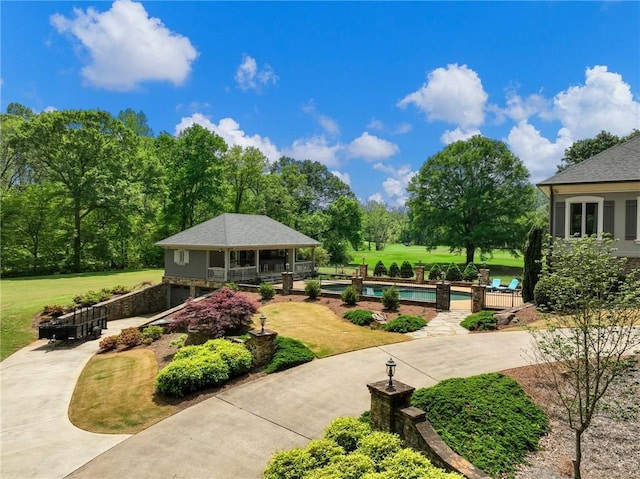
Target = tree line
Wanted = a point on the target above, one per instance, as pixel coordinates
(83, 190)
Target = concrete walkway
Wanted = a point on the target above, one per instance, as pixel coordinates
(36, 385)
(446, 323)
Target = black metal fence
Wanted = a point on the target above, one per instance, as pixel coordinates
(80, 323)
(502, 299)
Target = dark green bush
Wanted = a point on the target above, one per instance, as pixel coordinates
(394, 270)
(152, 332)
(391, 298)
(405, 324)
(289, 353)
(266, 290)
(361, 317)
(406, 270)
(434, 272)
(453, 273)
(347, 431)
(482, 321)
(350, 295)
(184, 376)
(488, 419)
(312, 289)
(470, 272)
(380, 269)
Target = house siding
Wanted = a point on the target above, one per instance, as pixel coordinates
(196, 268)
(612, 201)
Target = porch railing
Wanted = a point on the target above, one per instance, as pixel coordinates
(215, 274)
(242, 274)
(303, 267)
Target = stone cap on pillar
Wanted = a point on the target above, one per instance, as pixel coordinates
(400, 389)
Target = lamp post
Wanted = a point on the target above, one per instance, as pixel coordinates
(263, 321)
(443, 275)
(391, 369)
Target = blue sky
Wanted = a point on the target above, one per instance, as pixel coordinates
(369, 89)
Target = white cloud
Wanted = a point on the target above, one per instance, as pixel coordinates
(49, 109)
(250, 77)
(395, 186)
(540, 155)
(451, 136)
(230, 131)
(377, 197)
(371, 147)
(345, 177)
(604, 102)
(403, 128)
(375, 124)
(127, 47)
(315, 149)
(328, 124)
(519, 108)
(453, 94)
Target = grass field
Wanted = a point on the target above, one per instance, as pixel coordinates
(22, 298)
(501, 264)
(322, 331)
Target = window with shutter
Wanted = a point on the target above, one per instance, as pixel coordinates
(631, 220)
(584, 216)
(181, 257)
(558, 227)
(609, 214)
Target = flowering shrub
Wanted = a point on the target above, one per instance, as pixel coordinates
(130, 337)
(108, 343)
(224, 312)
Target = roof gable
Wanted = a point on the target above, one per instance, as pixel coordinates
(231, 230)
(620, 163)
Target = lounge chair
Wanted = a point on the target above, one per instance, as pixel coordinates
(511, 287)
(495, 284)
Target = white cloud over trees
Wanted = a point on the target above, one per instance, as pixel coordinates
(250, 77)
(126, 47)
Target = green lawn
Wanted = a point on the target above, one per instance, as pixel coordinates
(501, 264)
(22, 298)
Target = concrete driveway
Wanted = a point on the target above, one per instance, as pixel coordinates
(233, 434)
(36, 384)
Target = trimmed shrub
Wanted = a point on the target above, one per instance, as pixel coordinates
(380, 269)
(184, 376)
(361, 317)
(391, 298)
(482, 321)
(237, 356)
(323, 450)
(232, 286)
(312, 289)
(405, 323)
(266, 290)
(470, 272)
(350, 295)
(224, 312)
(187, 352)
(152, 332)
(108, 343)
(55, 310)
(394, 270)
(92, 297)
(543, 291)
(488, 419)
(453, 273)
(289, 353)
(351, 466)
(292, 464)
(120, 289)
(406, 270)
(347, 431)
(130, 337)
(379, 445)
(434, 272)
(406, 461)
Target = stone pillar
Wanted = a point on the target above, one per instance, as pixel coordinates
(192, 290)
(385, 402)
(477, 297)
(364, 270)
(443, 296)
(484, 276)
(262, 345)
(356, 281)
(419, 274)
(287, 282)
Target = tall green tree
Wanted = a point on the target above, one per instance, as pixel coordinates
(378, 224)
(88, 154)
(193, 164)
(343, 228)
(136, 122)
(584, 149)
(243, 169)
(473, 194)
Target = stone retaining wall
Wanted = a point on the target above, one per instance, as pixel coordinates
(152, 299)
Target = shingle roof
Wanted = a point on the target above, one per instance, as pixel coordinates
(617, 164)
(231, 230)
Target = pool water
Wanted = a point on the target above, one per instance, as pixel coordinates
(405, 292)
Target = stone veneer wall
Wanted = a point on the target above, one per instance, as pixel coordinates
(144, 301)
(632, 263)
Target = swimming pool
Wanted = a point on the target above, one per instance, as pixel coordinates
(405, 292)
